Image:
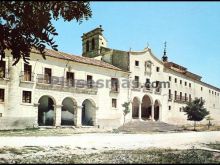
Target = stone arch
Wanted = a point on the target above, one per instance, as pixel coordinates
(46, 111)
(69, 106)
(88, 112)
(146, 107)
(157, 108)
(135, 107)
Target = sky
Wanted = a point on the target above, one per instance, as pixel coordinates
(191, 30)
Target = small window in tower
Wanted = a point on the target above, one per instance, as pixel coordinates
(87, 46)
(93, 44)
(136, 63)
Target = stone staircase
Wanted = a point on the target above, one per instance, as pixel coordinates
(137, 126)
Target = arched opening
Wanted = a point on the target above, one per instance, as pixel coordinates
(67, 113)
(88, 112)
(156, 110)
(146, 108)
(135, 108)
(46, 114)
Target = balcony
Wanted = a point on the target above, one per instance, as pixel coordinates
(4, 77)
(170, 97)
(181, 99)
(27, 77)
(148, 89)
(66, 85)
(157, 91)
(114, 89)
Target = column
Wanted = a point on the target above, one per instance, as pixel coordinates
(35, 124)
(95, 115)
(140, 111)
(58, 110)
(78, 116)
(152, 112)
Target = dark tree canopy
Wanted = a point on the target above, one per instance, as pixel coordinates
(195, 110)
(25, 25)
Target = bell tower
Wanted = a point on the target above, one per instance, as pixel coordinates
(92, 42)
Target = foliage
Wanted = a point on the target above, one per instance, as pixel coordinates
(195, 110)
(27, 24)
(126, 109)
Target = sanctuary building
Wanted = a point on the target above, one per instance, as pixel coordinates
(89, 90)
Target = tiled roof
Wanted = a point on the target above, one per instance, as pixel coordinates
(80, 59)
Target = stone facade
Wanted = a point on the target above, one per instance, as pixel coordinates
(45, 92)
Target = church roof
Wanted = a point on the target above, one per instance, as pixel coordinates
(75, 58)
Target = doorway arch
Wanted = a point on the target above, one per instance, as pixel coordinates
(68, 111)
(157, 110)
(88, 112)
(146, 108)
(135, 107)
(46, 114)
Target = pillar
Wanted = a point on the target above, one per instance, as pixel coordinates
(58, 110)
(36, 114)
(78, 116)
(152, 112)
(139, 116)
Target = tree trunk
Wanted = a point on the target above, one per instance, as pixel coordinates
(194, 125)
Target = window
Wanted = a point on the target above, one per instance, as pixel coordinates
(212, 92)
(169, 107)
(136, 81)
(136, 63)
(185, 83)
(201, 88)
(93, 44)
(175, 80)
(114, 103)
(26, 98)
(190, 85)
(158, 69)
(89, 81)
(70, 79)
(180, 109)
(175, 95)
(209, 91)
(190, 98)
(181, 82)
(147, 83)
(158, 86)
(170, 95)
(180, 95)
(2, 69)
(2, 95)
(87, 46)
(27, 72)
(185, 96)
(47, 75)
(114, 84)
(169, 78)
(0, 114)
